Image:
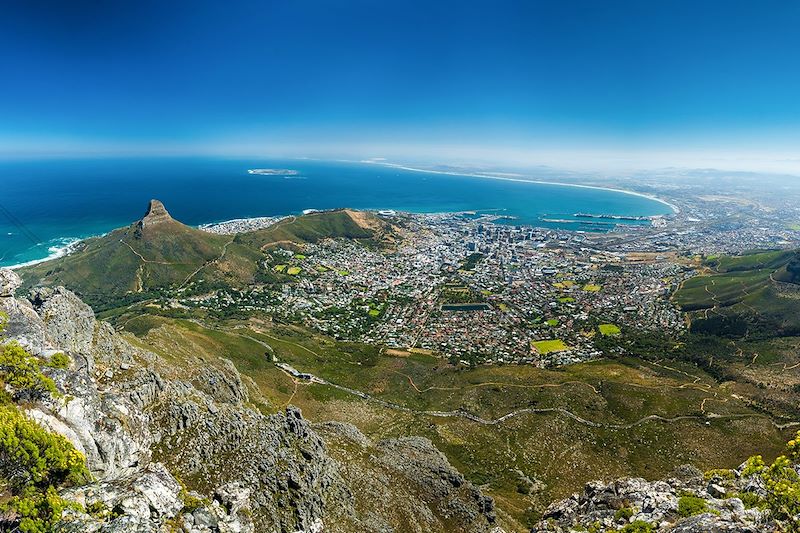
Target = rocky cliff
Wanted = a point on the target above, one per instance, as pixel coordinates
(182, 449)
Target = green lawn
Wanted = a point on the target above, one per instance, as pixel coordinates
(609, 329)
(591, 287)
(553, 322)
(293, 271)
(544, 347)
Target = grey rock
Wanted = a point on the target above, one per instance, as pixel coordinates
(233, 496)
(346, 431)
(688, 473)
(717, 491)
(654, 502)
(203, 518)
(9, 282)
(709, 523)
(69, 323)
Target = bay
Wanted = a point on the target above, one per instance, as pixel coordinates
(47, 204)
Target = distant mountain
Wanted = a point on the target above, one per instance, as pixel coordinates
(157, 252)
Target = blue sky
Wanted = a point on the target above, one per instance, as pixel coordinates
(401, 79)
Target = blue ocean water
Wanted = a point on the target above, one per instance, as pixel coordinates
(46, 204)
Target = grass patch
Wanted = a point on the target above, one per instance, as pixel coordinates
(293, 271)
(609, 329)
(544, 347)
(591, 287)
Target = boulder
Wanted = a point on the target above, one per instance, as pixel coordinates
(9, 282)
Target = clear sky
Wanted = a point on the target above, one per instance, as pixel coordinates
(644, 80)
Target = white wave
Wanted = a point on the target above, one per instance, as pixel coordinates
(58, 248)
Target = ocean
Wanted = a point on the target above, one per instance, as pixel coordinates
(47, 204)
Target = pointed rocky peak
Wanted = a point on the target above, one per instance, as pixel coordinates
(156, 214)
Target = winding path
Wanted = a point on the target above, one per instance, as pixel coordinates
(534, 410)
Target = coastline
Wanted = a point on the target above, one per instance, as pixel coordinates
(70, 243)
(399, 166)
(66, 245)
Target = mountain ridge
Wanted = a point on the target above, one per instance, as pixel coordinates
(158, 253)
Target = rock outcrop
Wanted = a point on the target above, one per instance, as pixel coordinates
(156, 214)
(710, 506)
(419, 489)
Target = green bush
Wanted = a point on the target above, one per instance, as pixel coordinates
(751, 500)
(38, 512)
(98, 509)
(722, 473)
(691, 505)
(58, 360)
(31, 456)
(595, 527)
(639, 526)
(782, 483)
(192, 503)
(623, 514)
(21, 371)
(33, 463)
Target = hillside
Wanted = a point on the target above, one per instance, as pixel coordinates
(154, 252)
(753, 295)
(631, 417)
(345, 223)
(158, 253)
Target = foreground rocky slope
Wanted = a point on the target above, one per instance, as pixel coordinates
(173, 448)
(742, 500)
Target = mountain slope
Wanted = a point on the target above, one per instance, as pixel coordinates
(749, 295)
(154, 252)
(158, 253)
(344, 223)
